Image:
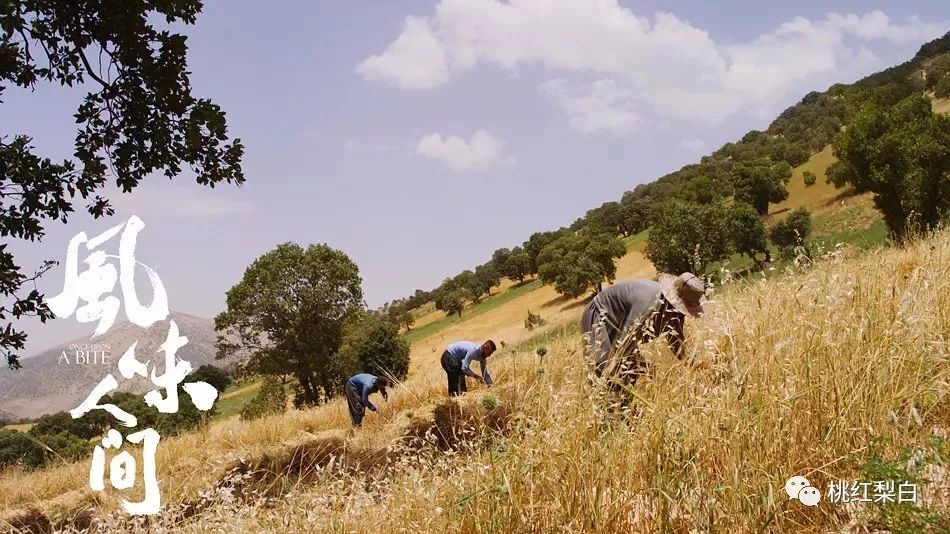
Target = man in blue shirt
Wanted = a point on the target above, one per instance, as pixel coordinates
(457, 360)
(358, 388)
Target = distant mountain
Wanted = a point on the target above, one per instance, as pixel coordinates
(50, 382)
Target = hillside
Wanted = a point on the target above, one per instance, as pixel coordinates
(793, 138)
(48, 384)
(731, 420)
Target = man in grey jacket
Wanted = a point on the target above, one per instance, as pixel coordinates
(643, 310)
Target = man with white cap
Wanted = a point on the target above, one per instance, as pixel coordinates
(641, 310)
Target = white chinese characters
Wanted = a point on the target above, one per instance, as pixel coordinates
(94, 287)
(100, 278)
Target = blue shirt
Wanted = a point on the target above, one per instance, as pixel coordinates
(466, 351)
(365, 384)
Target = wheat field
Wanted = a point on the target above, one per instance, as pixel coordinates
(821, 372)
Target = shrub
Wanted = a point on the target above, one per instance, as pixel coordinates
(533, 320)
(18, 448)
(373, 345)
(809, 178)
(86, 427)
(791, 233)
(64, 446)
(270, 399)
(217, 377)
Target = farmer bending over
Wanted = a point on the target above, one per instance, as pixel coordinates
(457, 360)
(649, 308)
(358, 388)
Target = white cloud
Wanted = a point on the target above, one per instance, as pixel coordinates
(415, 60)
(479, 154)
(697, 146)
(177, 200)
(665, 65)
(602, 106)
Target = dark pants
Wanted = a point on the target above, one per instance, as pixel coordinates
(354, 400)
(453, 370)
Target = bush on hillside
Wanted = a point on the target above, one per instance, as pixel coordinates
(372, 345)
(271, 398)
(533, 320)
(86, 427)
(17, 448)
(217, 377)
(809, 178)
(791, 232)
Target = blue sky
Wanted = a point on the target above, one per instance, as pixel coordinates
(420, 136)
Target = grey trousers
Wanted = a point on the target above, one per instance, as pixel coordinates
(597, 337)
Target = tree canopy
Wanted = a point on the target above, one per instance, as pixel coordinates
(139, 117)
(579, 262)
(902, 155)
(747, 232)
(761, 182)
(688, 237)
(289, 309)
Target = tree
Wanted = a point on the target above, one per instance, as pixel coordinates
(375, 346)
(608, 219)
(688, 237)
(217, 377)
(63, 446)
(486, 277)
(406, 319)
(902, 155)
(518, 265)
(636, 213)
(271, 398)
(747, 233)
(500, 257)
(809, 178)
(451, 301)
(467, 285)
(536, 243)
(289, 309)
(701, 189)
(791, 232)
(576, 263)
(138, 118)
(761, 182)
